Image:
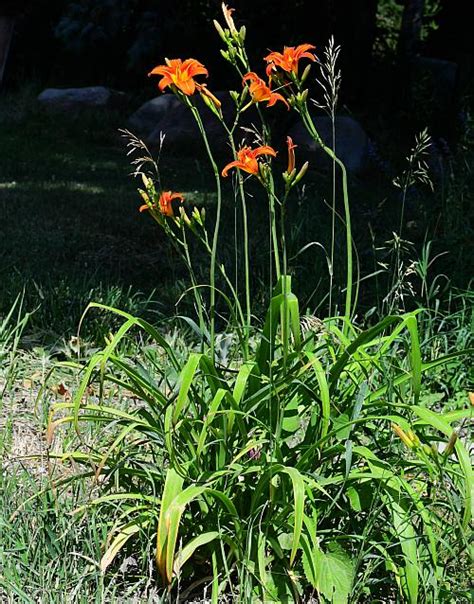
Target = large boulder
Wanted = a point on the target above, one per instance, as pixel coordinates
(352, 143)
(71, 100)
(167, 115)
(145, 119)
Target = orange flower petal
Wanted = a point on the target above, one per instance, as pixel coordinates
(180, 74)
(304, 47)
(159, 70)
(187, 87)
(194, 68)
(172, 196)
(264, 150)
(274, 97)
(164, 82)
(288, 59)
(233, 164)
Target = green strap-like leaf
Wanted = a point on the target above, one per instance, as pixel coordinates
(186, 379)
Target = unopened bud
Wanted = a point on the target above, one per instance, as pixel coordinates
(288, 177)
(198, 216)
(451, 442)
(264, 170)
(234, 96)
(402, 436)
(220, 31)
(428, 450)
(210, 100)
(302, 96)
(413, 437)
(306, 73)
(144, 196)
(242, 34)
(225, 54)
(301, 173)
(184, 217)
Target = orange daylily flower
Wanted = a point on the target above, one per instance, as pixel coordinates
(288, 59)
(291, 154)
(164, 203)
(180, 74)
(247, 159)
(259, 91)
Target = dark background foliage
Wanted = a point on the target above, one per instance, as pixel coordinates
(72, 41)
(116, 42)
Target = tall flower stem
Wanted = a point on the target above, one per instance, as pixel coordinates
(196, 293)
(215, 238)
(243, 203)
(308, 122)
(270, 186)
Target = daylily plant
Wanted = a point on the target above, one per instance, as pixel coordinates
(288, 59)
(164, 203)
(247, 159)
(180, 74)
(260, 91)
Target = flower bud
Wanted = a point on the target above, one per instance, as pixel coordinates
(413, 437)
(451, 442)
(301, 173)
(195, 215)
(305, 73)
(234, 95)
(221, 32)
(428, 450)
(144, 196)
(210, 100)
(402, 436)
(184, 217)
(302, 96)
(242, 34)
(291, 154)
(289, 176)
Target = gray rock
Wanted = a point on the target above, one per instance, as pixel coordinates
(144, 121)
(168, 115)
(70, 100)
(352, 143)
